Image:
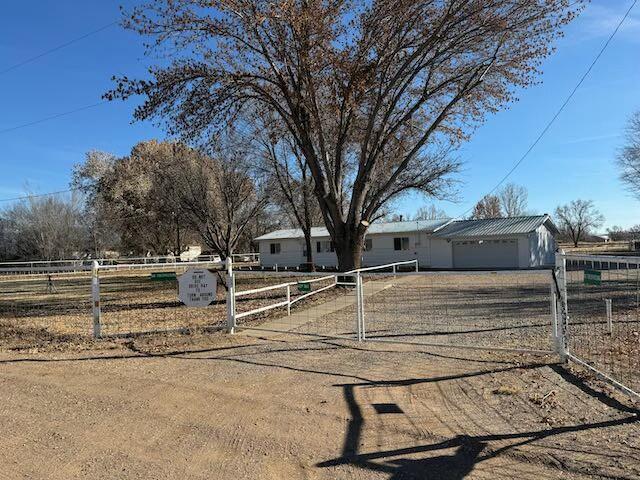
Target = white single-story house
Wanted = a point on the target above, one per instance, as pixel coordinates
(500, 243)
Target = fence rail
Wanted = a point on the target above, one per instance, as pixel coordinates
(288, 302)
(37, 267)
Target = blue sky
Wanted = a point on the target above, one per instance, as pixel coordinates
(576, 158)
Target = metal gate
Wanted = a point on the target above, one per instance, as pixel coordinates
(599, 307)
(500, 311)
(292, 302)
(489, 310)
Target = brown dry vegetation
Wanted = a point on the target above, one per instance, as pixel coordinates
(131, 303)
(599, 248)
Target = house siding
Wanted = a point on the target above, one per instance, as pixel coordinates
(383, 250)
(432, 250)
(290, 253)
(542, 247)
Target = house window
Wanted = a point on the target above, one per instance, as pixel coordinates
(325, 246)
(275, 248)
(401, 243)
(368, 244)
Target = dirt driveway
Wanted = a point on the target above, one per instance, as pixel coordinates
(249, 408)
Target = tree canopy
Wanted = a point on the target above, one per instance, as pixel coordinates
(577, 219)
(375, 94)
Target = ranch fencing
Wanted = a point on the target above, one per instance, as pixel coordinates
(497, 311)
(506, 311)
(40, 310)
(586, 310)
(326, 301)
(599, 311)
(71, 266)
(38, 307)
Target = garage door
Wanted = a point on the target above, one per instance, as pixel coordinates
(485, 254)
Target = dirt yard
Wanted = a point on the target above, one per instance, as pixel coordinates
(246, 407)
(265, 404)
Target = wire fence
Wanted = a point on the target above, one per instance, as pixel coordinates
(587, 310)
(602, 325)
(42, 310)
(463, 309)
(134, 302)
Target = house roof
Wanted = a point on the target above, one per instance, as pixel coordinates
(444, 228)
(428, 226)
(495, 227)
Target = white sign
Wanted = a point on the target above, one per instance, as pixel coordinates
(197, 288)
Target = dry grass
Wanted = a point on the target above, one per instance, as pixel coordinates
(131, 303)
(593, 248)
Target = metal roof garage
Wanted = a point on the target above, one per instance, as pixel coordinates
(516, 242)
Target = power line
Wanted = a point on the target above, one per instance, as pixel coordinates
(52, 117)
(559, 111)
(55, 49)
(26, 197)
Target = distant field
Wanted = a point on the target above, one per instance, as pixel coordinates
(611, 248)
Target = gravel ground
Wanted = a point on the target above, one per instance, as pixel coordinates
(245, 408)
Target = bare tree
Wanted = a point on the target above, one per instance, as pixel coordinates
(617, 233)
(513, 199)
(488, 207)
(89, 178)
(294, 188)
(46, 228)
(430, 212)
(7, 238)
(219, 197)
(578, 218)
(374, 93)
(629, 156)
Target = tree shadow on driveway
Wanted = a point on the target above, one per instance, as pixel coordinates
(469, 450)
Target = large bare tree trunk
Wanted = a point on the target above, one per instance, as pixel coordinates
(349, 249)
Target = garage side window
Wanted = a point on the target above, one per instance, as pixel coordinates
(401, 243)
(368, 244)
(275, 248)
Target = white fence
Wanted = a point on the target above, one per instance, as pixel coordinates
(331, 319)
(285, 301)
(40, 267)
(510, 311)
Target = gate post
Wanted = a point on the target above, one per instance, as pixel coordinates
(608, 305)
(562, 306)
(360, 308)
(288, 300)
(231, 297)
(95, 299)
